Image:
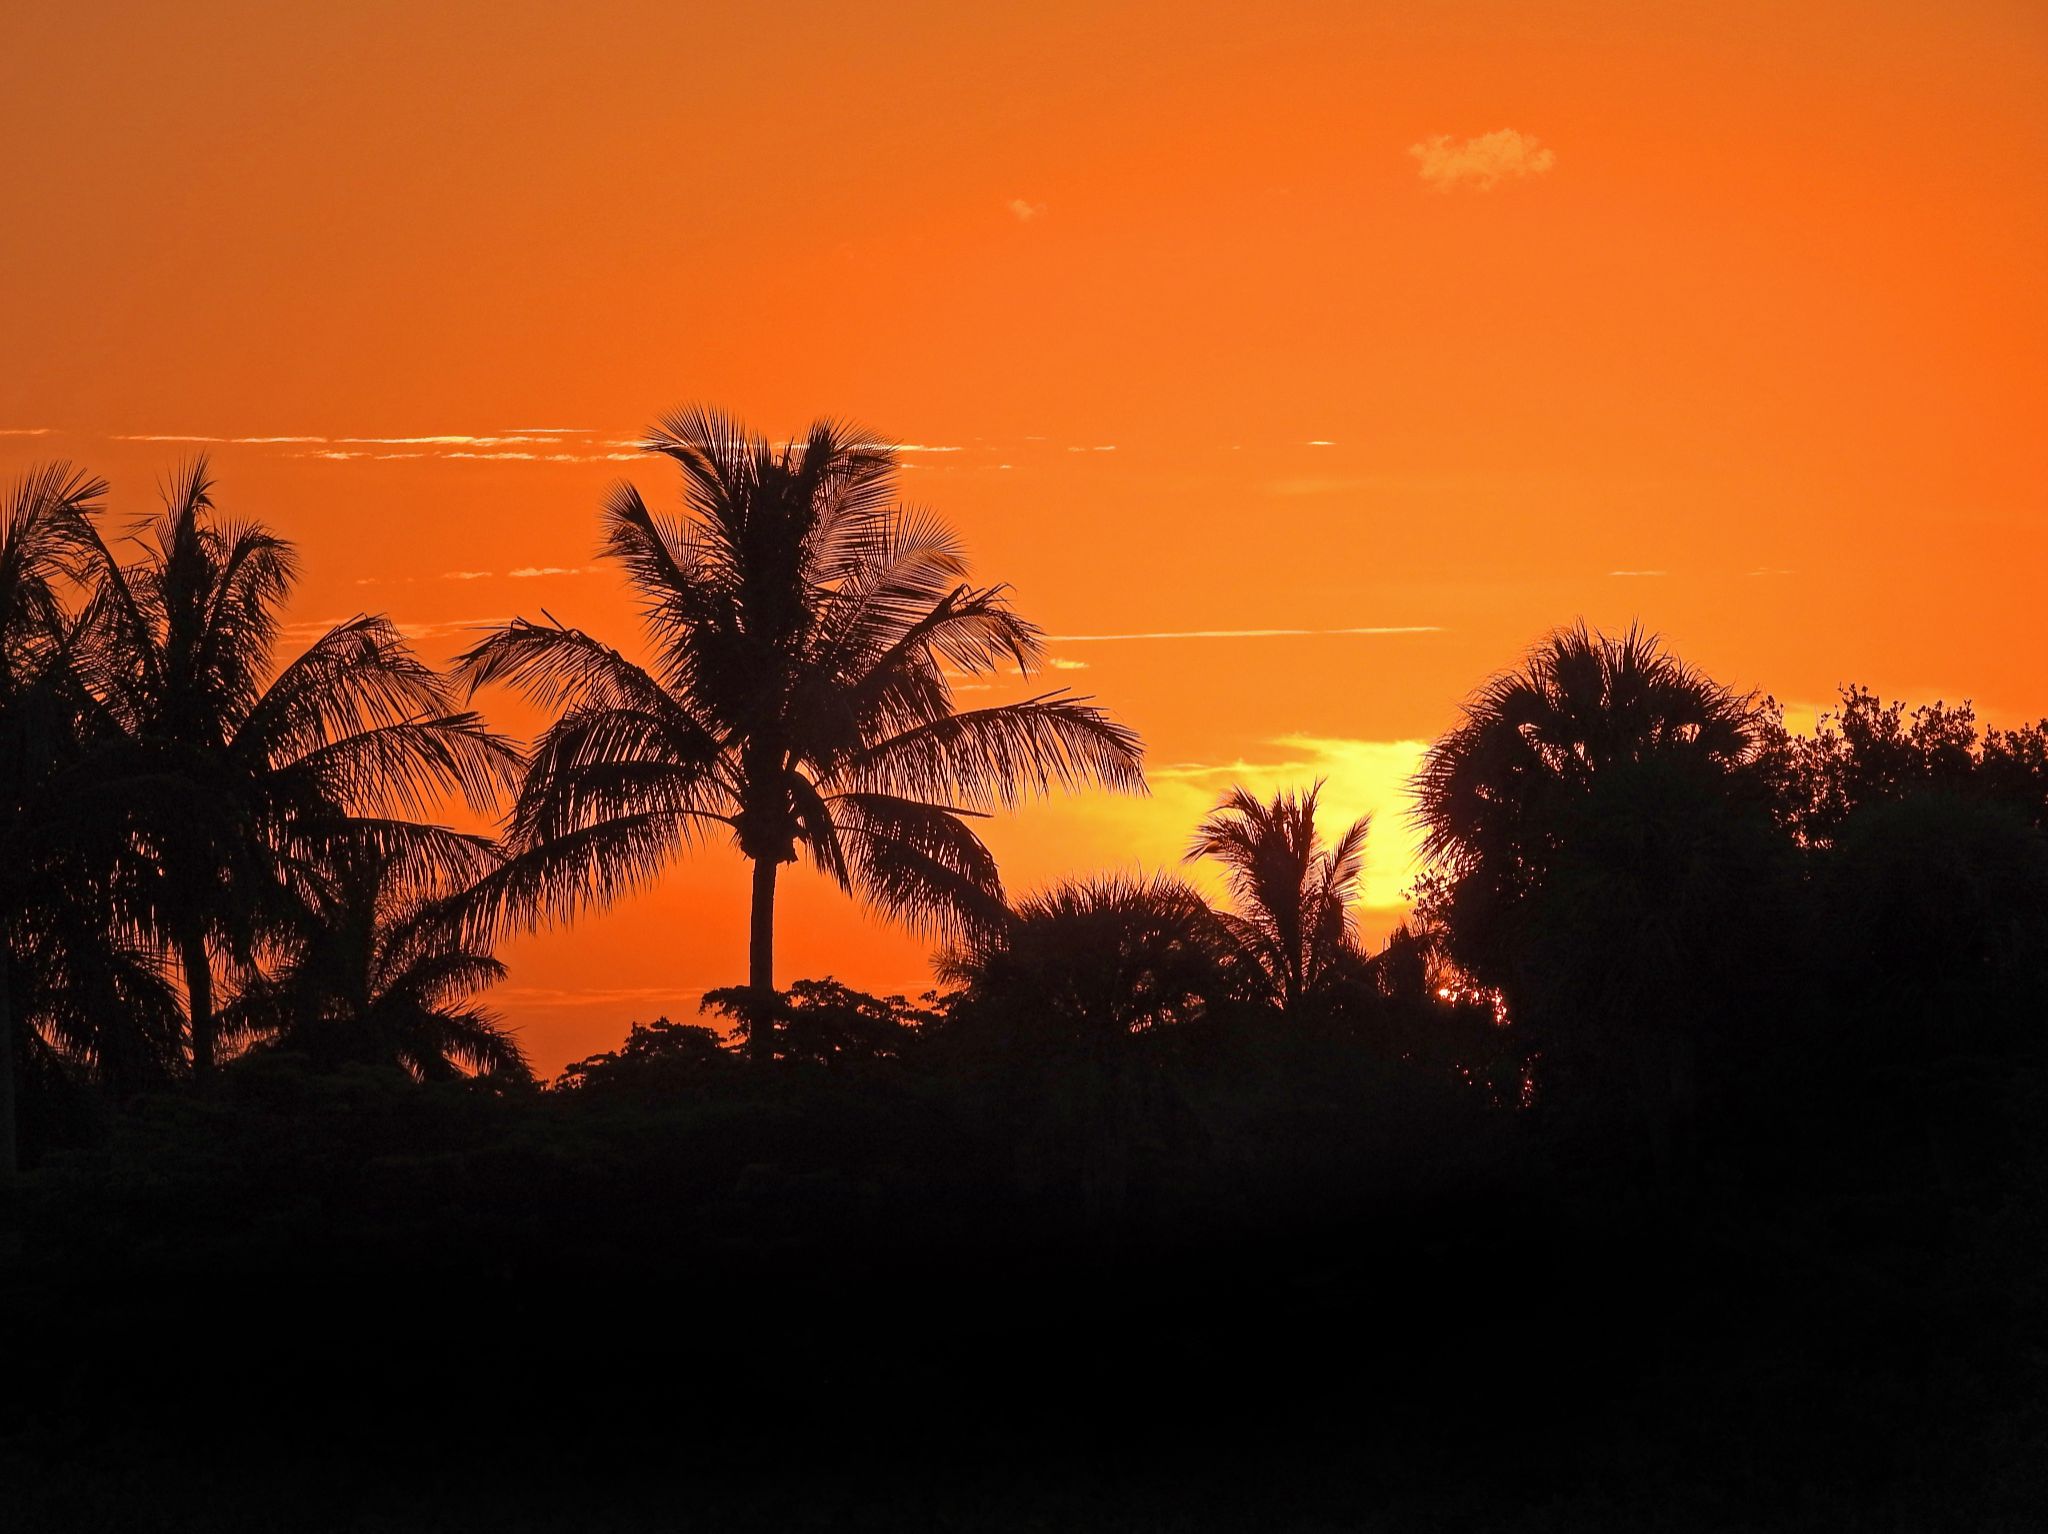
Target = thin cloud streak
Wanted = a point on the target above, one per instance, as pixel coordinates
(1377, 629)
(314, 629)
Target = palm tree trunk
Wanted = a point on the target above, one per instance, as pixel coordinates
(10, 1135)
(761, 962)
(198, 1002)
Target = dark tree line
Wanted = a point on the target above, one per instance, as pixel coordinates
(1646, 900)
(1696, 1113)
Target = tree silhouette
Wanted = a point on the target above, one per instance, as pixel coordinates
(1098, 959)
(1293, 896)
(1056, 1011)
(824, 1023)
(804, 629)
(44, 535)
(379, 973)
(233, 782)
(1866, 752)
(1495, 794)
(1598, 789)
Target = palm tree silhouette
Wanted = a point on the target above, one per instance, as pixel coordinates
(378, 973)
(1595, 789)
(805, 630)
(1058, 1006)
(1293, 896)
(1097, 959)
(1498, 795)
(236, 781)
(43, 536)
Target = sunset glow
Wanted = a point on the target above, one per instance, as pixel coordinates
(1294, 379)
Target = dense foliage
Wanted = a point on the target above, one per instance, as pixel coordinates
(1710, 1070)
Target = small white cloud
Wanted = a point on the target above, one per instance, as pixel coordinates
(528, 572)
(1024, 212)
(466, 575)
(1061, 663)
(24, 431)
(1771, 570)
(1321, 442)
(1481, 163)
(1638, 574)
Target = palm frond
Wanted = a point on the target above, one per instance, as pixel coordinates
(920, 863)
(1000, 755)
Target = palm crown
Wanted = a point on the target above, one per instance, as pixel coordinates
(377, 972)
(1501, 796)
(1534, 739)
(1293, 896)
(804, 630)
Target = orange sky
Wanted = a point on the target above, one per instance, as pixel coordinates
(1225, 322)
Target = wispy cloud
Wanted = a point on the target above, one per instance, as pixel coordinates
(528, 572)
(314, 628)
(24, 431)
(437, 439)
(1024, 212)
(1414, 628)
(526, 445)
(177, 436)
(1638, 574)
(1770, 570)
(1061, 663)
(1483, 162)
(515, 456)
(465, 575)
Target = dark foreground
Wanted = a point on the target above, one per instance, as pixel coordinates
(350, 1303)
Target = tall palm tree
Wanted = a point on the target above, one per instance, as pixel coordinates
(377, 972)
(43, 536)
(234, 778)
(1293, 895)
(804, 632)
